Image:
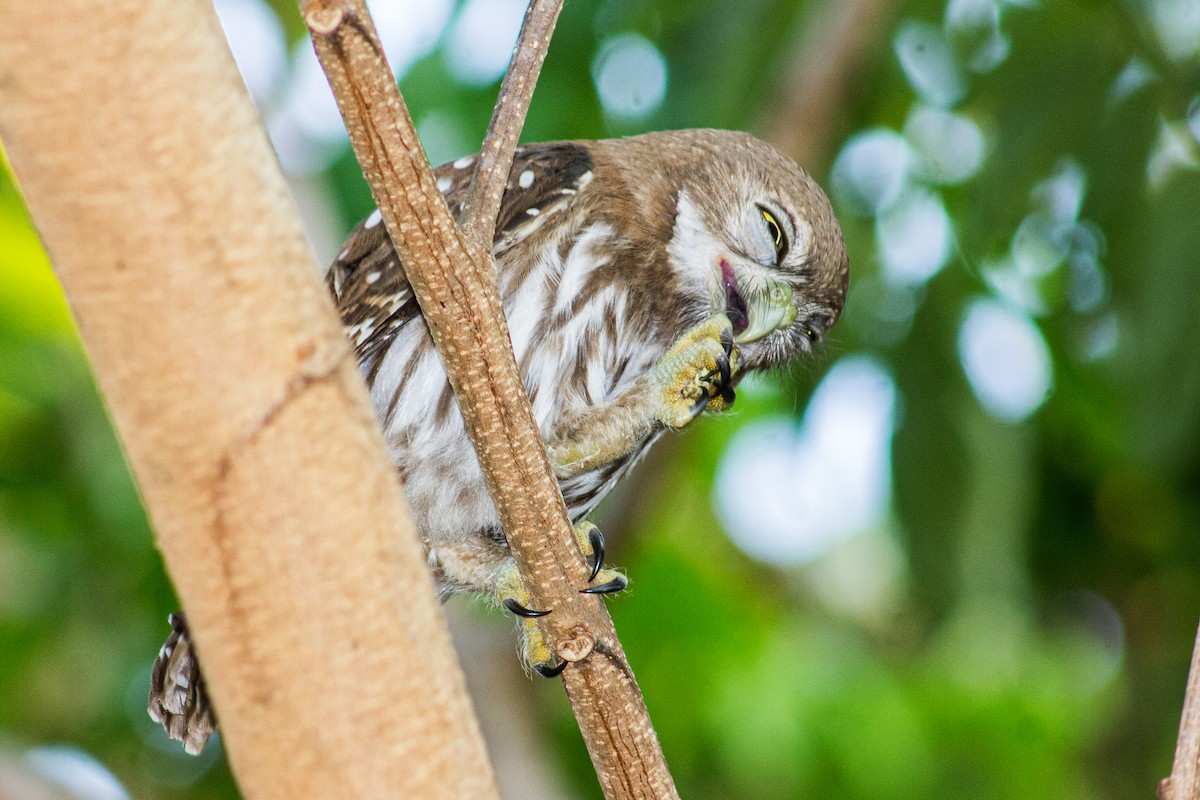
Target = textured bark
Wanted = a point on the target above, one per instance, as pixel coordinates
(1184, 783)
(454, 282)
(238, 402)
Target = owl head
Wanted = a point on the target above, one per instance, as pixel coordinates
(750, 233)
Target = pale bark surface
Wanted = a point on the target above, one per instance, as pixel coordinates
(226, 372)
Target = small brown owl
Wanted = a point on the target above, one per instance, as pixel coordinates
(641, 278)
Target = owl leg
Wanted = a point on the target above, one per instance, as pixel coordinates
(511, 593)
(694, 375)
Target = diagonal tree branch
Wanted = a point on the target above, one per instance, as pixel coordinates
(482, 203)
(454, 282)
(1184, 783)
(238, 402)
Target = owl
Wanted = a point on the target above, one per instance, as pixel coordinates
(641, 278)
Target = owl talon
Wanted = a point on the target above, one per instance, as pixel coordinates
(548, 671)
(617, 584)
(521, 611)
(596, 540)
(723, 363)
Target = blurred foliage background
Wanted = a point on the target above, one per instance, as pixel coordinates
(955, 556)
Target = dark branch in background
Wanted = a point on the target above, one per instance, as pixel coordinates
(830, 54)
(1184, 783)
(454, 279)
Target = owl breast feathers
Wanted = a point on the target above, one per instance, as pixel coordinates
(609, 253)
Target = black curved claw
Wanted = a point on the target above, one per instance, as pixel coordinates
(728, 396)
(550, 672)
(699, 406)
(727, 344)
(520, 610)
(617, 584)
(596, 540)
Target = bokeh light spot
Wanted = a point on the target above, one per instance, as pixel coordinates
(948, 147)
(256, 40)
(1101, 337)
(1176, 23)
(786, 493)
(1039, 245)
(409, 29)
(930, 64)
(1173, 151)
(974, 27)
(1006, 360)
(630, 75)
(871, 171)
(1135, 76)
(306, 128)
(914, 237)
(482, 39)
(1061, 195)
(1087, 287)
(76, 772)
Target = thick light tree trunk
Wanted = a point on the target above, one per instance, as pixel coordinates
(226, 372)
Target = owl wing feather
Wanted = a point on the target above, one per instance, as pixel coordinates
(367, 280)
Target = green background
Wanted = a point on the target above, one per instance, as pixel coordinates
(1031, 633)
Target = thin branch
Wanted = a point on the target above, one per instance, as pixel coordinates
(482, 203)
(238, 402)
(454, 282)
(1184, 783)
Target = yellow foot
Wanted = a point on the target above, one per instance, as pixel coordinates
(511, 592)
(696, 373)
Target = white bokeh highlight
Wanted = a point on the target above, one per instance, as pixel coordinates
(409, 29)
(1176, 23)
(930, 64)
(1061, 195)
(949, 148)
(871, 171)
(1006, 360)
(631, 77)
(257, 42)
(914, 237)
(482, 38)
(787, 492)
(1133, 77)
(303, 120)
(974, 27)
(75, 772)
(306, 128)
(1174, 151)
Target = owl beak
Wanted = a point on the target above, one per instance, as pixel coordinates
(759, 309)
(767, 310)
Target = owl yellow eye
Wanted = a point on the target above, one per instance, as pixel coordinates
(776, 231)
